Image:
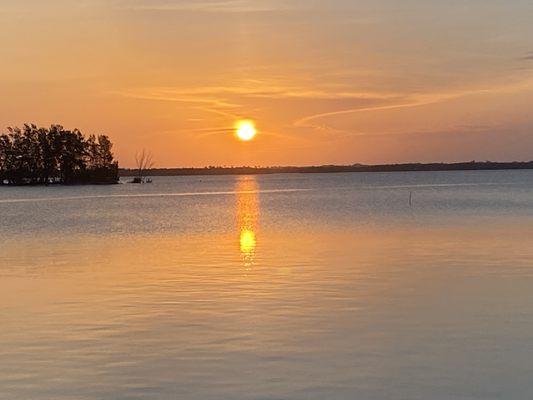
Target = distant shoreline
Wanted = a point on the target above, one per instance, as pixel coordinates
(411, 167)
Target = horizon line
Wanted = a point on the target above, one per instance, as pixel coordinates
(354, 165)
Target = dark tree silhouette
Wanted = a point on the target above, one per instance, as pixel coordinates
(33, 155)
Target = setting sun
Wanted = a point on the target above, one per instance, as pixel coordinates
(245, 130)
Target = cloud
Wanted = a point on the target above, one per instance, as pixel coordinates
(315, 121)
(229, 101)
(215, 6)
(528, 56)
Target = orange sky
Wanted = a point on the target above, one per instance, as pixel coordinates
(339, 81)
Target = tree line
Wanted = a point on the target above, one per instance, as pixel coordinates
(31, 156)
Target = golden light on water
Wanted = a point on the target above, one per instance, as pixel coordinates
(245, 130)
(247, 241)
(247, 215)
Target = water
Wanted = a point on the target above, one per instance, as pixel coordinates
(322, 286)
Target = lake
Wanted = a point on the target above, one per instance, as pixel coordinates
(326, 286)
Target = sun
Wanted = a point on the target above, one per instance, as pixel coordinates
(245, 130)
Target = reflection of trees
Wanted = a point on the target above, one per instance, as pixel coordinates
(247, 217)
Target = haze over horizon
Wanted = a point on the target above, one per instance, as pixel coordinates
(338, 82)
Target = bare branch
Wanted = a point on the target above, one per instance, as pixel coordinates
(144, 161)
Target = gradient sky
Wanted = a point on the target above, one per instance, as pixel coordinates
(338, 81)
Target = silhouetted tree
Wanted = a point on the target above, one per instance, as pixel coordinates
(33, 155)
(105, 151)
(5, 158)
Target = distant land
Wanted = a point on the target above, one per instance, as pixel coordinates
(463, 166)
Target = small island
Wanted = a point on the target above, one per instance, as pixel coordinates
(42, 156)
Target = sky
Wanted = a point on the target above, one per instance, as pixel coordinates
(326, 82)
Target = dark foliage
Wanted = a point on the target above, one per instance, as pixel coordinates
(41, 156)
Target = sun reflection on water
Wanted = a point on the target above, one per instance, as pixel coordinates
(247, 241)
(247, 218)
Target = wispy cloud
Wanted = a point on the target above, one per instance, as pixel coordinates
(212, 6)
(227, 96)
(528, 56)
(232, 101)
(316, 121)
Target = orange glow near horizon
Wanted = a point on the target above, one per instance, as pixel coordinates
(182, 77)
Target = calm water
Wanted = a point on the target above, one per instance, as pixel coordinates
(273, 287)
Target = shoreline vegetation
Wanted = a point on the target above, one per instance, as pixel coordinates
(44, 156)
(410, 167)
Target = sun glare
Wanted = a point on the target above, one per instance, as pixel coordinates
(245, 130)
